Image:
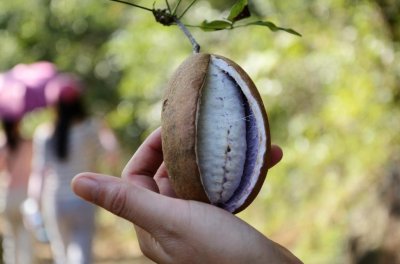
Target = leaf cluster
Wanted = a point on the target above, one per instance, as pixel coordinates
(238, 12)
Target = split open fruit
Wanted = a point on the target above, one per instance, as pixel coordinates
(215, 133)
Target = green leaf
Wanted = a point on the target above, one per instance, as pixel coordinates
(215, 25)
(239, 10)
(274, 27)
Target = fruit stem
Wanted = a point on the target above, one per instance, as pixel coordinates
(195, 45)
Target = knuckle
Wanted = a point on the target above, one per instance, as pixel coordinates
(117, 201)
(152, 249)
(146, 249)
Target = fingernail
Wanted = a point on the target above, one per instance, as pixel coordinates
(85, 187)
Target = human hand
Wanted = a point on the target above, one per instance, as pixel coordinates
(172, 230)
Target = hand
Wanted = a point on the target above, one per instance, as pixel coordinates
(172, 230)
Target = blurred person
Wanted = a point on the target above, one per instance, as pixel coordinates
(15, 163)
(172, 230)
(61, 149)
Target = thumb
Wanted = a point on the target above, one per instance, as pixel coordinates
(136, 204)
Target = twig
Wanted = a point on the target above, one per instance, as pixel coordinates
(168, 6)
(195, 45)
(135, 5)
(187, 8)
(176, 7)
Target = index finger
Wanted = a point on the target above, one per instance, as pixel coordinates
(147, 159)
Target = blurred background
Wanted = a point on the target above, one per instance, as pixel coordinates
(332, 97)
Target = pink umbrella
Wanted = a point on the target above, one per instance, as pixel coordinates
(22, 88)
(64, 87)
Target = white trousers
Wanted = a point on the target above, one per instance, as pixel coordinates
(70, 229)
(17, 241)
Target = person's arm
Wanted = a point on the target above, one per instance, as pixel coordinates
(172, 230)
(36, 179)
(110, 147)
(3, 152)
(103, 147)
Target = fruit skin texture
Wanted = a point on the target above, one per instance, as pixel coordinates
(179, 128)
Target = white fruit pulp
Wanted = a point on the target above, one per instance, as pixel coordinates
(229, 174)
(221, 135)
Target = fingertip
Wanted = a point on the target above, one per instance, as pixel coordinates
(77, 178)
(84, 186)
(276, 155)
(278, 151)
(79, 175)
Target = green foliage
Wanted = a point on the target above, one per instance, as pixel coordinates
(239, 10)
(215, 25)
(331, 96)
(273, 27)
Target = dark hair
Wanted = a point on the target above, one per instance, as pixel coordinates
(12, 134)
(67, 113)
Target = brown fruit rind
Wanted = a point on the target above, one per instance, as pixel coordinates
(179, 132)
